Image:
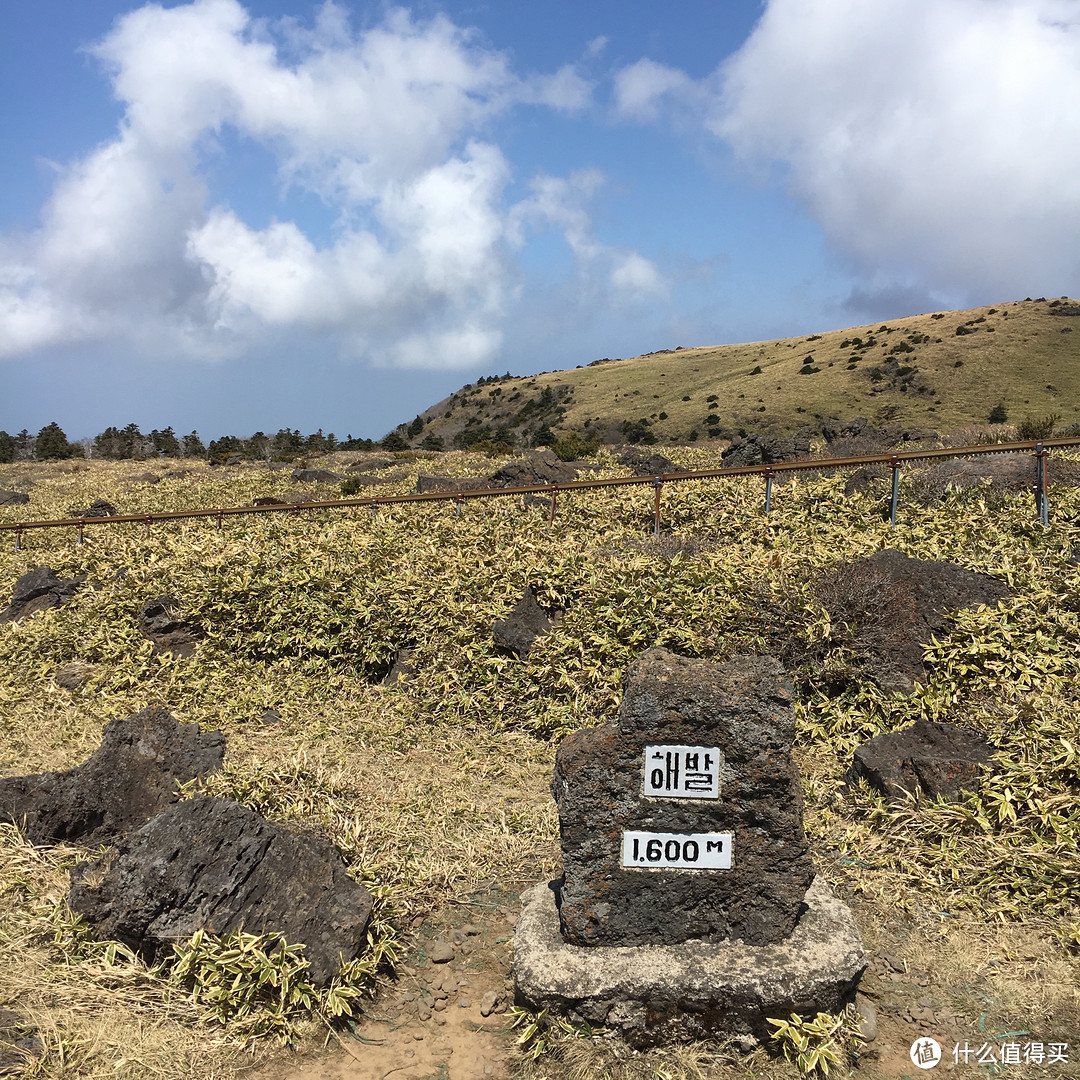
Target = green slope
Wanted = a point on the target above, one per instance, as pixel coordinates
(944, 370)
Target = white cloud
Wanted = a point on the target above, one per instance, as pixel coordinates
(390, 127)
(934, 142)
(636, 274)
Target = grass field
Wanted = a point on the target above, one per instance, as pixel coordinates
(916, 371)
(435, 790)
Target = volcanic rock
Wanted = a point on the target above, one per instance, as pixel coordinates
(315, 476)
(766, 448)
(520, 629)
(13, 498)
(99, 508)
(938, 760)
(451, 483)
(130, 777)
(160, 622)
(37, 590)
(216, 865)
(535, 467)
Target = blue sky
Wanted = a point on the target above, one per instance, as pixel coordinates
(232, 216)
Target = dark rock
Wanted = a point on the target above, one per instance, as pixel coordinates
(160, 622)
(530, 501)
(213, 864)
(896, 604)
(533, 468)
(520, 629)
(401, 671)
(1013, 472)
(13, 498)
(37, 590)
(863, 478)
(425, 484)
(270, 717)
(643, 464)
(940, 760)
(766, 448)
(145, 478)
(130, 777)
(742, 708)
(74, 676)
(371, 463)
(857, 428)
(315, 476)
(234, 459)
(99, 508)
(270, 500)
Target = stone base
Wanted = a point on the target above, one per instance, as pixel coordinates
(653, 994)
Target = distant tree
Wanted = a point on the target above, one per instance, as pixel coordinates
(544, 437)
(394, 441)
(356, 444)
(8, 448)
(133, 444)
(227, 444)
(193, 446)
(166, 444)
(51, 443)
(287, 444)
(258, 446)
(415, 428)
(107, 444)
(25, 442)
(316, 444)
(431, 441)
(999, 414)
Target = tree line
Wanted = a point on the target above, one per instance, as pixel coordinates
(129, 443)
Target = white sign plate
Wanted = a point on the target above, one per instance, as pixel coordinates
(682, 772)
(676, 851)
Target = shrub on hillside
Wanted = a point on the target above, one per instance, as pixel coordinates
(999, 414)
(1040, 428)
(574, 447)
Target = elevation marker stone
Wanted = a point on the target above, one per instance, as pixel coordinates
(688, 904)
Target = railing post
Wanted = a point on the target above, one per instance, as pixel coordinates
(373, 514)
(768, 490)
(1042, 509)
(79, 540)
(18, 538)
(219, 519)
(147, 522)
(554, 492)
(894, 462)
(459, 504)
(658, 484)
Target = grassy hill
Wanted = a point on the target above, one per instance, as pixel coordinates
(943, 370)
(436, 790)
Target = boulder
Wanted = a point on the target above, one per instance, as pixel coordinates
(270, 500)
(533, 468)
(742, 713)
(160, 621)
(643, 464)
(366, 464)
(13, 498)
(213, 864)
(315, 476)
(864, 477)
(425, 484)
(520, 629)
(130, 777)
(37, 590)
(74, 676)
(936, 760)
(366, 480)
(1013, 472)
(99, 508)
(766, 448)
(401, 670)
(896, 604)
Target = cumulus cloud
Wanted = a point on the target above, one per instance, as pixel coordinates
(933, 142)
(389, 127)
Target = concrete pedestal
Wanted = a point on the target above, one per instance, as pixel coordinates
(654, 994)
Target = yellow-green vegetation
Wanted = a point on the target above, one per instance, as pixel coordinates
(942, 370)
(431, 786)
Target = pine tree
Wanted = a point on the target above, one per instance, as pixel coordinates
(51, 443)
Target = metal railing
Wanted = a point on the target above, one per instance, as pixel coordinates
(1040, 449)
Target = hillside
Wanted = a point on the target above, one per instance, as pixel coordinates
(943, 370)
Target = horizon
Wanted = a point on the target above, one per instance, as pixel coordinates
(228, 217)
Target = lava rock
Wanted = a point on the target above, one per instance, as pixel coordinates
(73, 676)
(520, 629)
(401, 670)
(130, 777)
(766, 448)
(13, 498)
(213, 864)
(744, 709)
(536, 467)
(425, 484)
(642, 464)
(315, 476)
(1012, 472)
(160, 622)
(37, 590)
(938, 760)
(99, 508)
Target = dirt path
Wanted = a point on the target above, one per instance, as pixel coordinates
(445, 1015)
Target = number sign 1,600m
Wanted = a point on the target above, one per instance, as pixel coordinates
(676, 851)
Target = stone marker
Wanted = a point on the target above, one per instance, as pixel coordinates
(688, 904)
(700, 753)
